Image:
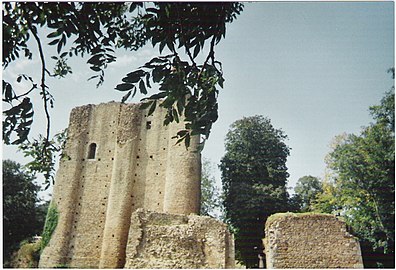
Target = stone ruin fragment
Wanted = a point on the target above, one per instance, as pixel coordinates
(127, 196)
(309, 240)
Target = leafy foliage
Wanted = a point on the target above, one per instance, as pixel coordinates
(44, 154)
(51, 222)
(20, 214)
(328, 201)
(306, 190)
(96, 29)
(211, 200)
(254, 177)
(27, 256)
(363, 185)
(187, 88)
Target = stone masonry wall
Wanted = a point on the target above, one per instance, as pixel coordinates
(310, 241)
(161, 240)
(136, 164)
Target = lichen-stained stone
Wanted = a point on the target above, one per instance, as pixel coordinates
(162, 240)
(310, 240)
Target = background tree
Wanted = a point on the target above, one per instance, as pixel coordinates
(306, 190)
(363, 185)
(254, 177)
(329, 200)
(188, 75)
(211, 199)
(22, 216)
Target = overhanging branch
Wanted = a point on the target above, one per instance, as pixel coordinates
(33, 29)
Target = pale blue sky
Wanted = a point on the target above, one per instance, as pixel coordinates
(313, 68)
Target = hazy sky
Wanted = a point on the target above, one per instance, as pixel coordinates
(313, 68)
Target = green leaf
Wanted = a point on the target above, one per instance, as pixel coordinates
(145, 105)
(196, 51)
(221, 81)
(162, 46)
(95, 68)
(175, 115)
(29, 115)
(152, 10)
(55, 41)
(180, 105)
(9, 93)
(124, 87)
(155, 39)
(157, 61)
(148, 80)
(179, 141)
(54, 34)
(142, 88)
(61, 43)
(135, 76)
(124, 98)
(156, 96)
(95, 59)
(182, 133)
(132, 7)
(93, 77)
(187, 141)
(157, 75)
(152, 108)
(170, 45)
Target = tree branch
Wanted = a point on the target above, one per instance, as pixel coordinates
(43, 86)
(27, 93)
(210, 56)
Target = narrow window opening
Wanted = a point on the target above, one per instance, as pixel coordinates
(148, 124)
(92, 151)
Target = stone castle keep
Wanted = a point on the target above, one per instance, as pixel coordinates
(128, 197)
(120, 160)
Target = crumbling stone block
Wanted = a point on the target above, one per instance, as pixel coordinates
(161, 240)
(310, 240)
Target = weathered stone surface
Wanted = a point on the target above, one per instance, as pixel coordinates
(119, 160)
(310, 241)
(161, 240)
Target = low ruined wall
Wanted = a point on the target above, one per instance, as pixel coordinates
(310, 241)
(161, 240)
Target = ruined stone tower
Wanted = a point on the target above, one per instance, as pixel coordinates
(118, 160)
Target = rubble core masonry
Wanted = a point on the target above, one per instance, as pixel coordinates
(117, 159)
(310, 240)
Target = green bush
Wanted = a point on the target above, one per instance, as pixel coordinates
(51, 222)
(27, 256)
